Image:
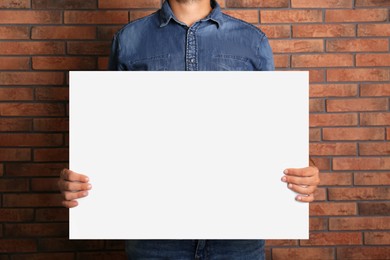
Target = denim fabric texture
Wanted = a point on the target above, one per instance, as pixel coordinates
(160, 42)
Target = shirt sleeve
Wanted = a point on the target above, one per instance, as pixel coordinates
(114, 63)
(266, 58)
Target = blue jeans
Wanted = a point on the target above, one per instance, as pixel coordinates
(195, 249)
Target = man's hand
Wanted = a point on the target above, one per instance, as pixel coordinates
(303, 181)
(72, 186)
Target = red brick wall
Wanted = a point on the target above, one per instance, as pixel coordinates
(344, 44)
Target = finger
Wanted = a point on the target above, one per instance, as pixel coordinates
(303, 198)
(299, 180)
(302, 172)
(69, 175)
(69, 204)
(74, 186)
(301, 189)
(74, 195)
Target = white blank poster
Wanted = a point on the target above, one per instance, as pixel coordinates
(188, 155)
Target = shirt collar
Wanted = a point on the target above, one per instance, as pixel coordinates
(166, 14)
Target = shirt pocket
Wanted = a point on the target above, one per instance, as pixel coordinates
(155, 63)
(230, 62)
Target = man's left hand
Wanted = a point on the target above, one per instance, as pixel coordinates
(303, 181)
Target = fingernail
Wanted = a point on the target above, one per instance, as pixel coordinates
(86, 179)
(85, 193)
(285, 171)
(284, 179)
(299, 198)
(89, 186)
(290, 185)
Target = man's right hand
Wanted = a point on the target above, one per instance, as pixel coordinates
(73, 186)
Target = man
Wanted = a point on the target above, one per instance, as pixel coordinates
(191, 35)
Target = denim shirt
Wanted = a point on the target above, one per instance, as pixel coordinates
(218, 42)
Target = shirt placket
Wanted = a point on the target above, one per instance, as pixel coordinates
(192, 48)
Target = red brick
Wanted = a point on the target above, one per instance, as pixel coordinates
(34, 169)
(314, 134)
(15, 125)
(256, 3)
(18, 245)
(107, 32)
(31, 109)
(320, 193)
(125, 4)
(372, 60)
(55, 93)
(357, 45)
(30, 139)
(64, 63)
(374, 208)
(322, 60)
(64, 4)
(31, 48)
(323, 30)
(96, 17)
(387, 133)
(372, 163)
(276, 31)
(13, 185)
(63, 32)
(333, 119)
(138, 14)
(31, 78)
(358, 75)
(36, 229)
(102, 255)
(291, 16)
(89, 48)
(302, 253)
(379, 3)
(371, 178)
(322, 163)
(361, 133)
(7, 94)
(281, 61)
(375, 89)
(366, 253)
(64, 244)
(15, 154)
(44, 184)
(356, 15)
(333, 90)
(321, 4)
(316, 76)
(281, 242)
(378, 118)
(51, 154)
(333, 149)
(316, 105)
(32, 200)
(250, 16)
(359, 223)
(51, 124)
(318, 223)
(52, 214)
(359, 193)
(30, 17)
(14, 63)
(44, 256)
(16, 215)
(336, 179)
(14, 32)
(377, 238)
(333, 238)
(356, 104)
(377, 148)
(103, 63)
(296, 46)
(332, 209)
(15, 4)
(374, 29)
